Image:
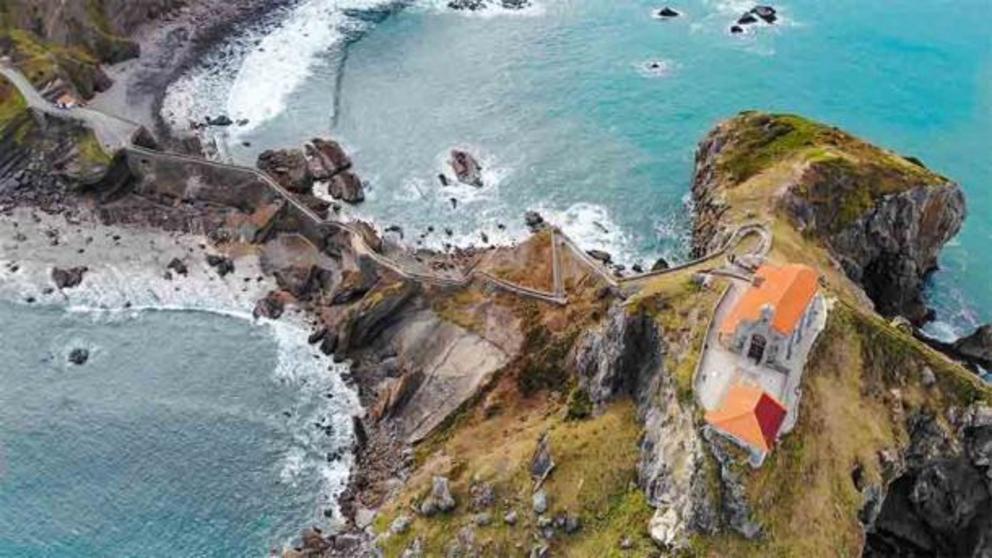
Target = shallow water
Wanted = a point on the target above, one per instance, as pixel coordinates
(567, 119)
(185, 434)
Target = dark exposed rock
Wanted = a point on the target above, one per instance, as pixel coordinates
(79, 356)
(270, 306)
(942, 504)
(222, 264)
(442, 179)
(346, 186)
(600, 255)
(660, 264)
(736, 29)
(666, 13)
(222, 121)
(766, 13)
(298, 280)
(977, 346)
(326, 158)
(68, 278)
(534, 221)
(467, 169)
(288, 167)
(176, 265)
(747, 19)
(317, 336)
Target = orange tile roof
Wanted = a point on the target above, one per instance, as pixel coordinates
(750, 415)
(787, 289)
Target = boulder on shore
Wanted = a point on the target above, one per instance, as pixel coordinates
(176, 265)
(600, 255)
(660, 264)
(68, 278)
(346, 186)
(467, 169)
(270, 306)
(326, 158)
(534, 221)
(222, 264)
(288, 167)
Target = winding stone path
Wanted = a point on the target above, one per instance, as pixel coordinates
(116, 134)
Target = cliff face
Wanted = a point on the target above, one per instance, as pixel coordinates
(65, 42)
(883, 217)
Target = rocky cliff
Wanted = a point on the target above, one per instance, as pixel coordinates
(884, 217)
(64, 43)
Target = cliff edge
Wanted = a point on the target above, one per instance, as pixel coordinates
(883, 217)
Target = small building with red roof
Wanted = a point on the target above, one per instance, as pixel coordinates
(773, 315)
(750, 417)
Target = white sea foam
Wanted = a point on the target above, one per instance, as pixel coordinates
(252, 76)
(491, 9)
(656, 68)
(126, 279)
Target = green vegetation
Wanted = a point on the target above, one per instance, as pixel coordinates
(762, 139)
(596, 465)
(579, 405)
(90, 150)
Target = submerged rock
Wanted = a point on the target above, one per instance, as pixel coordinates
(747, 19)
(79, 356)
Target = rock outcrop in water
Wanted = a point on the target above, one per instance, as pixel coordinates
(884, 217)
(320, 160)
(466, 168)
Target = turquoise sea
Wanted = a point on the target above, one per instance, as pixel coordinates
(557, 102)
(185, 434)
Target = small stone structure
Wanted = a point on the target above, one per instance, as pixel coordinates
(773, 316)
